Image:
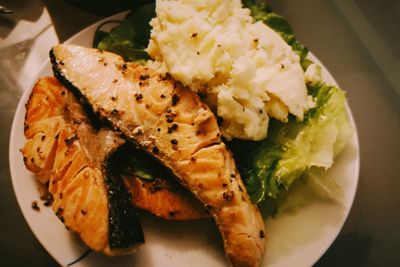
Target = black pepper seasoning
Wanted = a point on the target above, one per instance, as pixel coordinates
(48, 198)
(175, 99)
(228, 195)
(59, 213)
(114, 112)
(71, 139)
(144, 77)
(173, 127)
(138, 97)
(35, 206)
(262, 234)
(155, 150)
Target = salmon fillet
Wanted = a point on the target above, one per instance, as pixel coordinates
(43, 122)
(156, 191)
(50, 109)
(163, 200)
(64, 150)
(170, 122)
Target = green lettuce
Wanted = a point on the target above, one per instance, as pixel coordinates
(270, 167)
(130, 38)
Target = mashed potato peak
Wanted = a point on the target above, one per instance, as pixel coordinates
(215, 48)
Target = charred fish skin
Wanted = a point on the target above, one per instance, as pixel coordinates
(65, 150)
(125, 228)
(171, 123)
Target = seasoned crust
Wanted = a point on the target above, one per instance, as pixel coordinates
(49, 111)
(43, 122)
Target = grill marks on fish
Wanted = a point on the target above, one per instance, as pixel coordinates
(69, 154)
(164, 102)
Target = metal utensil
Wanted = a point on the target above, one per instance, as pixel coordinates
(5, 10)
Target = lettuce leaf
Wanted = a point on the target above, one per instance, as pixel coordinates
(270, 167)
(315, 184)
(131, 37)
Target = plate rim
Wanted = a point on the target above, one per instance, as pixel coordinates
(21, 103)
(356, 141)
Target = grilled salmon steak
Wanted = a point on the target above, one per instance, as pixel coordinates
(171, 123)
(153, 188)
(65, 151)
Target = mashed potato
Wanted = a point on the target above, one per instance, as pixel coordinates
(246, 69)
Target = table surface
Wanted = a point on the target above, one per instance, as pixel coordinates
(357, 40)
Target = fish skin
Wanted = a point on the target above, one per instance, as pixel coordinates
(64, 150)
(137, 102)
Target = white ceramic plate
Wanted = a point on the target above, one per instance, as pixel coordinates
(298, 239)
